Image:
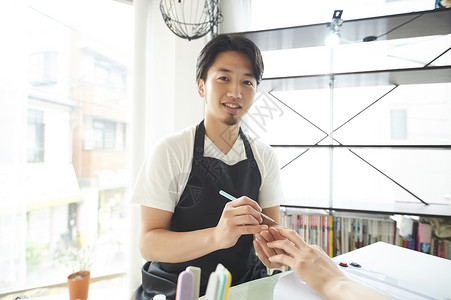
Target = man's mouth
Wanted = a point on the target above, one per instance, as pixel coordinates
(231, 105)
(231, 108)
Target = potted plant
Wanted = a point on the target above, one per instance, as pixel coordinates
(79, 260)
(78, 281)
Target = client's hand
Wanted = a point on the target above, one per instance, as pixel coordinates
(316, 268)
(263, 251)
(310, 263)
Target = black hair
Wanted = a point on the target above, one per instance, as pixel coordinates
(229, 42)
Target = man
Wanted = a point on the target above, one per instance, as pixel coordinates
(184, 219)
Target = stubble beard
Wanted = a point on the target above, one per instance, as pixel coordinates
(231, 121)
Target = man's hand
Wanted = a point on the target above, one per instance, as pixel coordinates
(239, 217)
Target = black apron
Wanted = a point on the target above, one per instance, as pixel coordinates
(200, 206)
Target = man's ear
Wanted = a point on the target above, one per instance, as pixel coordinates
(200, 87)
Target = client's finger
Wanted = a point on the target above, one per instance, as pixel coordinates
(293, 237)
(276, 236)
(287, 246)
(282, 259)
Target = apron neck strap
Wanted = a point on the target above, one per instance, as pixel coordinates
(199, 141)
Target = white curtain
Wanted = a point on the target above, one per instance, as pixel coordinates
(164, 100)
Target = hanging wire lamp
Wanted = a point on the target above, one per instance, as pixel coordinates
(191, 19)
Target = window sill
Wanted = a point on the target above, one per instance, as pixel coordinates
(113, 286)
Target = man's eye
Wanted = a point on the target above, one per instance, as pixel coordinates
(249, 83)
(223, 78)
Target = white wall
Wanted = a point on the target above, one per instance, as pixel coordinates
(172, 100)
(189, 107)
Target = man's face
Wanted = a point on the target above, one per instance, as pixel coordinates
(229, 88)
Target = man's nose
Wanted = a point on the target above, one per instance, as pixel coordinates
(234, 90)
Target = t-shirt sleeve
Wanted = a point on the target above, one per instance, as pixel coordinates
(271, 193)
(156, 184)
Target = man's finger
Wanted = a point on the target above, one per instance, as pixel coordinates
(247, 210)
(263, 243)
(261, 253)
(246, 201)
(251, 229)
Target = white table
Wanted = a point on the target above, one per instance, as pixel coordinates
(414, 268)
(425, 271)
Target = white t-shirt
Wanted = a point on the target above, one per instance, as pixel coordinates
(165, 172)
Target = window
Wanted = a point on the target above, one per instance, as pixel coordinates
(35, 136)
(63, 126)
(398, 135)
(43, 68)
(109, 72)
(104, 135)
(398, 122)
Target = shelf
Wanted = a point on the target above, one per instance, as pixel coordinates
(394, 146)
(416, 24)
(424, 23)
(417, 209)
(441, 74)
